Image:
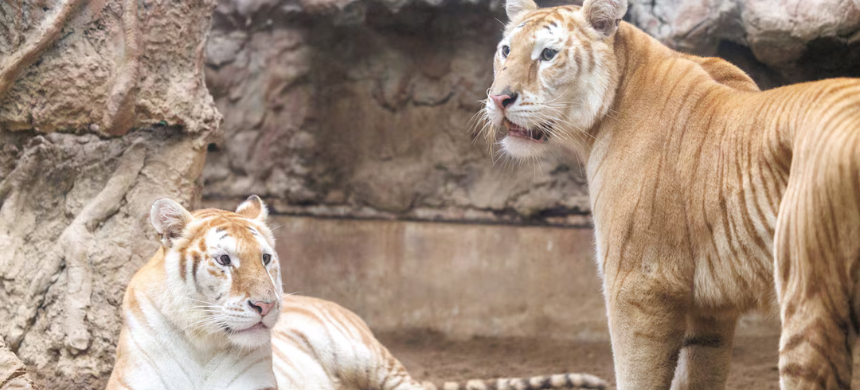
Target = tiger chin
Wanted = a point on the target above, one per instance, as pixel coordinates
(710, 198)
(199, 314)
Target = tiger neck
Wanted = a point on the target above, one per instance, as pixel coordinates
(685, 128)
(660, 88)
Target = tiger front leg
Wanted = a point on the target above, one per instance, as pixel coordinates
(647, 324)
(706, 352)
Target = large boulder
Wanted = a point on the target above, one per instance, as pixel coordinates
(103, 109)
(801, 39)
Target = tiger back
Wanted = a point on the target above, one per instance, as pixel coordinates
(199, 314)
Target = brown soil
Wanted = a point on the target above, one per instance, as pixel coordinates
(433, 357)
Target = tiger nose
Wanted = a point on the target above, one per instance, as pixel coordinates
(261, 307)
(503, 101)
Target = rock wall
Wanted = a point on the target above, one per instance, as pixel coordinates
(75, 229)
(103, 109)
(798, 39)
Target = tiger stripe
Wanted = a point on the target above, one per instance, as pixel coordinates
(320, 345)
(710, 198)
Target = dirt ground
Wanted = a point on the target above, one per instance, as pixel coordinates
(433, 357)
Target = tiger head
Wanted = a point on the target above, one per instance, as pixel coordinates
(554, 74)
(223, 273)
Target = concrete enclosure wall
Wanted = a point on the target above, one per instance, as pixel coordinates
(460, 279)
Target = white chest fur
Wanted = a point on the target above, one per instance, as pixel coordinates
(162, 357)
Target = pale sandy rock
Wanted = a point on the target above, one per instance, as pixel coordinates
(13, 373)
(103, 109)
(104, 66)
(74, 228)
(781, 34)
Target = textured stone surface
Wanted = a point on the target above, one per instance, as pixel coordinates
(74, 227)
(371, 118)
(104, 66)
(802, 39)
(13, 373)
(103, 109)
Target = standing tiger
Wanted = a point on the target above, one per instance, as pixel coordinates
(710, 198)
(199, 314)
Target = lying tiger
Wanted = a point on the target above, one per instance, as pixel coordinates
(710, 198)
(201, 315)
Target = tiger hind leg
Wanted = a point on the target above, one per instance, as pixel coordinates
(817, 260)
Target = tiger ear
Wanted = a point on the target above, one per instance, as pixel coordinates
(604, 15)
(169, 219)
(517, 8)
(253, 208)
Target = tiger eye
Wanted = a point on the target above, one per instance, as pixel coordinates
(548, 54)
(505, 51)
(267, 258)
(223, 260)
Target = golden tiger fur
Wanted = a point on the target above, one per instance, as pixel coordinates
(199, 314)
(319, 345)
(710, 198)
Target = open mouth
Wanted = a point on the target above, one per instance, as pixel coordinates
(517, 131)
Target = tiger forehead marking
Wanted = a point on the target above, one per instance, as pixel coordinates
(229, 233)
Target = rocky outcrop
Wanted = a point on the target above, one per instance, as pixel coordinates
(74, 229)
(103, 109)
(104, 67)
(800, 39)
